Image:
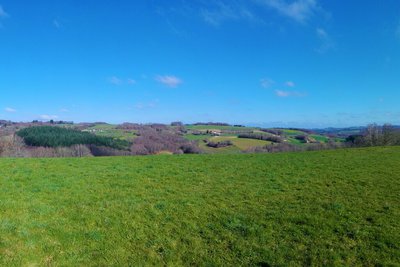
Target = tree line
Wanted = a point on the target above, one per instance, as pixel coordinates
(265, 137)
(375, 135)
(49, 136)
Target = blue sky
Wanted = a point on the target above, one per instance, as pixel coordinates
(308, 63)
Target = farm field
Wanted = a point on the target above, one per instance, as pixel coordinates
(111, 131)
(212, 133)
(239, 143)
(339, 207)
(218, 127)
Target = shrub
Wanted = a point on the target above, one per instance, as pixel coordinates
(302, 138)
(272, 138)
(219, 144)
(212, 123)
(152, 140)
(272, 131)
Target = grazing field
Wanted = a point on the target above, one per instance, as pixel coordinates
(196, 137)
(241, 143)
(221, 150)
(320, 138)
(218, 127)
(338, 207)
(111, 131)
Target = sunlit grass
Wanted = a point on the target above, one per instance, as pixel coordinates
(322, 208)
(241, 143)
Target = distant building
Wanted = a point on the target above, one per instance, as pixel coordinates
(215, 133)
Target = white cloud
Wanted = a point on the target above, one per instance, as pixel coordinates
(56, 24)
(217, 12)
(131, 81)
(266, 82)
(216, 16)
(299, 10)
(151, 104)
(398, 31)
(115, 80)
(118, 81)
(290, 84)
(282, 93)
(10, 110)
(170, 81)
(48, 117)
(325, 39)
(321, 33)
(214, 12)
(3, 14)
(64, 110)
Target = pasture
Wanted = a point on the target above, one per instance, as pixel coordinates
(338, 207)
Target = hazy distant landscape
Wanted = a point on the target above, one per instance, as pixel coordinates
(66, 139)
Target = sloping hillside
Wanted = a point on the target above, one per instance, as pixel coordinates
(337, 207)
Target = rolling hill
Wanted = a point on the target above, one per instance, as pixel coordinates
(338, 207)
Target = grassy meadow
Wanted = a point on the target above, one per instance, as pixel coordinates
(339, 207)
(241, 143)
(217, 127)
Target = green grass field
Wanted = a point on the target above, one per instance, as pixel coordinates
(221, 150)
(241, 143)
(217, 127)
(325, 208)
(111, 131)
(197, 137)
(320, 138)
(238, 144)
(292, 132)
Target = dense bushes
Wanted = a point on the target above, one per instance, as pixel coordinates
(272, 131)
(272, 138)
(302, 138)
(212, 123)
(49, 136)
(375, 135)
(220, 144)
(152, 140)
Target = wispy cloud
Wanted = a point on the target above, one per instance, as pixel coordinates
(217, 15)
(299, 10)
(64, 110)
(56, 24)
(283, 93)
(131, 81)
(3, 13)
(266, 82)
(115, 80)
(325, 40)
(10, 110)
(118, 81)
(220, 11)
(170, 81)
(48, 117)
(151, 104)
(321, 33)
(290, 84)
